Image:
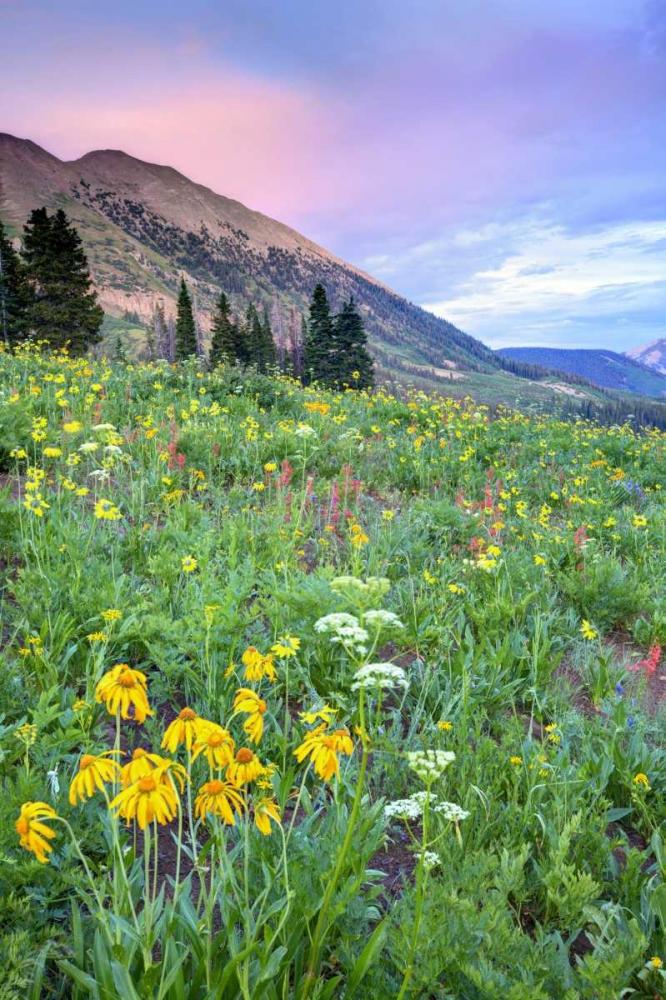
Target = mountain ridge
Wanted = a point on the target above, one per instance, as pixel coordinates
(653, 355)
(604, 368)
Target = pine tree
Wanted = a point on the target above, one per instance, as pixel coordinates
(225, 344)
(186, 333)
(319, 340)
(15, 293)
(64, 309)
(353, 363)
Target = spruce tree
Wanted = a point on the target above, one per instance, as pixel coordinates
(268, 353)
(64, 307)
(15, 293)
(317, 361)
(353, 363)
(225, 343)
(254, 337)
(186, 332)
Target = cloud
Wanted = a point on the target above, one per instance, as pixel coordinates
(554, 278)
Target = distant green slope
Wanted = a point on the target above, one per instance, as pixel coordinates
(604, 368)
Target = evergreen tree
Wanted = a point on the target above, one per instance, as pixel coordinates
(64, 307)
(186, 333)
(225, 344)
(254, 337)
(268, 358)
(319, 341)
(352, 362)
(119, 350)
(15, 293)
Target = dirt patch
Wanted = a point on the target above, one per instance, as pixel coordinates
(397, 861)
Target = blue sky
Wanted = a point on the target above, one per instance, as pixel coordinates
(501, 162)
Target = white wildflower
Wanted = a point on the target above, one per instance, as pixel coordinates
(379, 675)
(403, 809)
(430, 859)
(450, 811)
(430, 764)
(304, 430)
(89, 446)
(382, 619)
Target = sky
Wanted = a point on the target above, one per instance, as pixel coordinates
(499, 162)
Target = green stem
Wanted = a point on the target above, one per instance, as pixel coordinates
(420, 896)
(313, 967)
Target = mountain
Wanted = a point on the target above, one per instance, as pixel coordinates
(652, 355)
(145, 225)
(604, 368)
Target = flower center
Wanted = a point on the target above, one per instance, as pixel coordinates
(22, 826)
(244, 756)
(86, 761)
(214, 787)
(187, 715)
(126, 679)
(139, 752)
(147, 784)
(215, 739)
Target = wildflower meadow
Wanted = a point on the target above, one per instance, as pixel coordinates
(312, 695)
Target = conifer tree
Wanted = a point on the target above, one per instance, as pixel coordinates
(64, 308)
(319, 341)
(254, 337)
(352, 363)
(268, 357)
(225, 344)
(186, 333)
(15, 293)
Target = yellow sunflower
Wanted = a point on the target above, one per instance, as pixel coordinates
(265, 810)
(249, 703)
(217, 746)
(219, 798)
(323, 749)
(257, 666)
(35, 835)
(122, 688)
(244, 767)
(141, 764)
(150, 798)
(94, 772)
(185, 728)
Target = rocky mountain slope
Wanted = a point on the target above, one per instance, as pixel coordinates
(652, 355)
(143, 225)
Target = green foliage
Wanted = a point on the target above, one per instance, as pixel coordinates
(249, 509)
(63, 308)
(186, 333)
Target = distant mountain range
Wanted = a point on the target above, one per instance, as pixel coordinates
(628, 372)
(653, 355)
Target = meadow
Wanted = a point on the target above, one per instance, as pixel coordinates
(310, 695)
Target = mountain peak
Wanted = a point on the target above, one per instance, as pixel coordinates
(653, 355)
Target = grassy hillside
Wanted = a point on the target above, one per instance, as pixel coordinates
(604, 368)
(288, 675)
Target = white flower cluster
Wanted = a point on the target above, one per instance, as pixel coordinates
(345, 629)
(451, 811)
(430, 764)
(361, 593)
(379, 675)
(403, 809)
(304, 430)
(412, 808)
(430, 859)
(381, 619)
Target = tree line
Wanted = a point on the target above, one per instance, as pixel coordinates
(46, 292)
